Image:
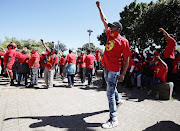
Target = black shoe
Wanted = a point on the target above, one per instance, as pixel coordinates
(30, 86)
(12, 84)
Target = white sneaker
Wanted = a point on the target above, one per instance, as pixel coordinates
(118, 103)
(111, 123)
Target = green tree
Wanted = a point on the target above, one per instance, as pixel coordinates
(61, 46)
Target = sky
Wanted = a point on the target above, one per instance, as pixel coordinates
(53, 20)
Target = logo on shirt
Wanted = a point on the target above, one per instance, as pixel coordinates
(158, 70)
(49, 59)
(109, 45)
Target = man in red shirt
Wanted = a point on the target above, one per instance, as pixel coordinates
(129, 73)
(115, 47)
(34, 67)
(160, 76)
(169, 53)
(82, 67)
(61, 65)
(52, 61)
(23, 67)
(89, 60)
(176, 71)
(98, 59)
(1, 55)
(9, 59)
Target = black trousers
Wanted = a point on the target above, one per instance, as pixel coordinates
(82, 74)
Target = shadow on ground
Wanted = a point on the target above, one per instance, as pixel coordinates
(164, 126)
(72, 122)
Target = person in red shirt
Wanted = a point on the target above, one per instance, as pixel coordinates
(9, 59)
(129, 72)
(1, 55)
(176, 71)
(71, 68)
(98, 59)
(160, 76)
(89, 60)
(61, 65)
(115, 47)
(52, 61)
(23, 67)
(169, 53)
(34, 67)
(82, 67)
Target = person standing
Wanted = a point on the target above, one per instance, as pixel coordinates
(34, 67)
(89, 60)
(49, 65)
(9, 59)
(169, 53)
(115, 47)
(82, 67)
(71, 68)
(23, 67)
(1, 55)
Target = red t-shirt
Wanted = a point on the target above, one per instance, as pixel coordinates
(18, 56)
(51, 60)
(12, 54)
(98, 56)
(131, 63)
(33, 58)
(170, 48)
(114, 49)
(82, 64)
(1, 54)
(62, 61)
(71, 58)
(24, 58)
(175, 65)
(161, 72)
(89, 59)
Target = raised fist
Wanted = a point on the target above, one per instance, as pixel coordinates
(97, 3)
(41, 40)
(161, 29)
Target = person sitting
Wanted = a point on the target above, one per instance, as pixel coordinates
(160, 76)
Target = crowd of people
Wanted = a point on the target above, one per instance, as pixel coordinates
(21, 65)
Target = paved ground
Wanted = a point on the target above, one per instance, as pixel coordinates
(80, 108)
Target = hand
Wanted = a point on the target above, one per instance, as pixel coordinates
(121, 78)
(41, 40)
(52, 41)
(161, 29)
(98, 4)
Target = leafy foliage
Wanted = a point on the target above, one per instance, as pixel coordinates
(30, 44)
(141, 23)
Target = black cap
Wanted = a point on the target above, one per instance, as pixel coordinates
(117, 24)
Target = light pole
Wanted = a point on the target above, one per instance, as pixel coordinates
(58, 45)
(89, 35)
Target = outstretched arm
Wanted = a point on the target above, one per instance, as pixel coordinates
(165, 33)
(103, 18)
(3, 49)
(47, 49)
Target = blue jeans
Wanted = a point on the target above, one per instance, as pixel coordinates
(20, 77)
(112, 94)
(70, 80)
